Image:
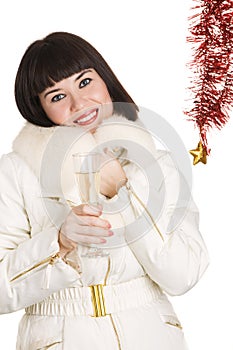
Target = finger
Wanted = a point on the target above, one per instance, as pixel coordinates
(88, 231)
(94, 221)
(94, 231)
(87, 209)
(108, 159)
(83, 239)
(109, 152)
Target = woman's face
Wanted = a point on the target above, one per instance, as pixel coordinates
(82, 100)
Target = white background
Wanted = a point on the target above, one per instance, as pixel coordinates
(144, 42)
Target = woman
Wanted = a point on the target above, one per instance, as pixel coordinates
(73, 102)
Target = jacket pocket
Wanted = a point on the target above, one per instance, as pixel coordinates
(167, 313)
(171, 320)
(52, 346)
(41, 333)
(53, 343)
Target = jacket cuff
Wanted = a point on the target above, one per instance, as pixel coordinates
(32, 252)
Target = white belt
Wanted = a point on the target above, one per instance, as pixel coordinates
(98, 300)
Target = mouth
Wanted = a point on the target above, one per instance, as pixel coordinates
(87, 118)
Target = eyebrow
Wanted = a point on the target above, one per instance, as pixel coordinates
(77, 78)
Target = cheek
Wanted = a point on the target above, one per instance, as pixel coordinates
(47, 109)
(57, 115)
(107, 96)
(108, 105)
(101, 93)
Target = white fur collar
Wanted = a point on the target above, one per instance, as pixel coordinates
(48, 151)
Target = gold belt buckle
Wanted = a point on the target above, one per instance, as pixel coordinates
(98, 302)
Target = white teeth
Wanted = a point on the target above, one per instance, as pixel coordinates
(86, 119)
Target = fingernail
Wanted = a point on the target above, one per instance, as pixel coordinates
(110, 233)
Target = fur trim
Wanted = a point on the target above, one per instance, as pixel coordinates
(30, 144)
(119, 129)
(33, 142)
(48, 151)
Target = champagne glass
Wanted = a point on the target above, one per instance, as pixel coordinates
(87, 174)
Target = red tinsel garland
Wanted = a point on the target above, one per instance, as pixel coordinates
(211, 31)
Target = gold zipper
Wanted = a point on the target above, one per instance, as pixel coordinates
(111, 318)
(50, 345)
(50, 260)
(115, 330)
(145, 208)
(108, 271)
(98, 302)
(178, 325)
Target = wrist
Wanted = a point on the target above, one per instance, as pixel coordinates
(65, 244)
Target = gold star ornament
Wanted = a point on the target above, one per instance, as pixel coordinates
(199, 154)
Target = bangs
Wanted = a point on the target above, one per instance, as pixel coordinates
(56, 57)
(55, 63)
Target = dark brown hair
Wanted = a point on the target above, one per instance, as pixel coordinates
(54, 58)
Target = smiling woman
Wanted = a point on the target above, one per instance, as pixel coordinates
(40, 72)
(82, 98)
(147, 220)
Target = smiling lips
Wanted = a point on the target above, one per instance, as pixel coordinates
(87, 118)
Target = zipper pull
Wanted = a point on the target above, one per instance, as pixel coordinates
(48, 270)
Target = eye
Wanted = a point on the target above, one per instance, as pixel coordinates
(84, 82)
(57, 98)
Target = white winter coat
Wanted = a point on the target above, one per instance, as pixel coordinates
(156, 250)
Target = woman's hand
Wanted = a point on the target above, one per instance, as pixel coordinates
(83, 225)
(112, 177)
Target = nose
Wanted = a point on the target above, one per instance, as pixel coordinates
(78, 102)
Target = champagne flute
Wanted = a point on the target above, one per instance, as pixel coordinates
(87, 174)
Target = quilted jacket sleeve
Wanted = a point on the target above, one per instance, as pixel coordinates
(25, 261)
(165, 237)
